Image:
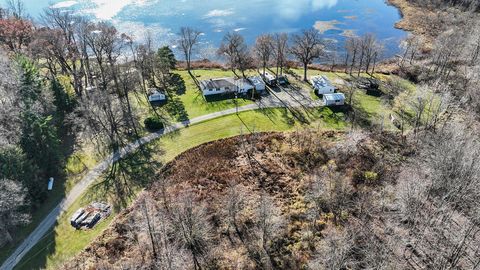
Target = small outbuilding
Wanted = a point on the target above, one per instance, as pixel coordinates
(335, 99)
(258, 83)
(322, 85)
(156, 95)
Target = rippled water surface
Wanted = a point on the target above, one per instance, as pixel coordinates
(335, 19)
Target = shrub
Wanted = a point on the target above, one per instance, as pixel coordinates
(153, 123)
(370, 177)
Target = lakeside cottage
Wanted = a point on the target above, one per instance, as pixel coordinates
(258, 83)
(231, 85)
(335, 99)
(322, 85)
(156, 95)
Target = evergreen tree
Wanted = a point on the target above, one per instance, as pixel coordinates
(41, 144)
(166, 57)
(64, 102)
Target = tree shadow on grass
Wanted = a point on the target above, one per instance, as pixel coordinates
(269, 113)
(176, 109)
(176, 81)
(120, 183)
(356, 114)
(288, 118)
(223, 97)
(37, 257)
(250, 130)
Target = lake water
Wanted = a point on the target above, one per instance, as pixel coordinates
(335, 19)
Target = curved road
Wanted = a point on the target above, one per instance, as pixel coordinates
(272, 101)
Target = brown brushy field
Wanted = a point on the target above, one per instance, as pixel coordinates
(248, 202)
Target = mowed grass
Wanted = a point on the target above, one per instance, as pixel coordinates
(64, 242)
(190, 99)
(193, 100)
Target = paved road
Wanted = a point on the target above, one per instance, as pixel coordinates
(282, 98)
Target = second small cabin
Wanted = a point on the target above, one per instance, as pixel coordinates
(156, 95)
(335, 99)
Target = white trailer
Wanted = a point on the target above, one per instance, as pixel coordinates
(322, 85)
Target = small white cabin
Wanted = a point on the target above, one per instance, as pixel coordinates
(258, 83)
(156, 95)
(335, 99)
(322, 85)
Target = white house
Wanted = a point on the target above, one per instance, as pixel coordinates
(217, 86)
(322, 85)
(335, 99)
(231, 85)
(242, 86)
(156, 95)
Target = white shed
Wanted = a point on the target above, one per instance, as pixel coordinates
(156, 95)
(322, 85)
(335, 99)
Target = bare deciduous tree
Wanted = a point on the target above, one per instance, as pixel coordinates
(12, 201)
(263, 50)
(307, 47)
(192, 228)
(188, 40)
(280, 42)
(235, 49)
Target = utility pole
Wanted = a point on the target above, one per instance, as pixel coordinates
(236, 103)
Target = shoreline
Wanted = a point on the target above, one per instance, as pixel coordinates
(415, 20)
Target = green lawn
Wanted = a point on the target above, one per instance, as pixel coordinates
(64, 242)
(186, 101)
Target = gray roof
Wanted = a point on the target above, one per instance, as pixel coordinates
(320, 81)
(217, 83)
(256, 80)
(334, 96)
